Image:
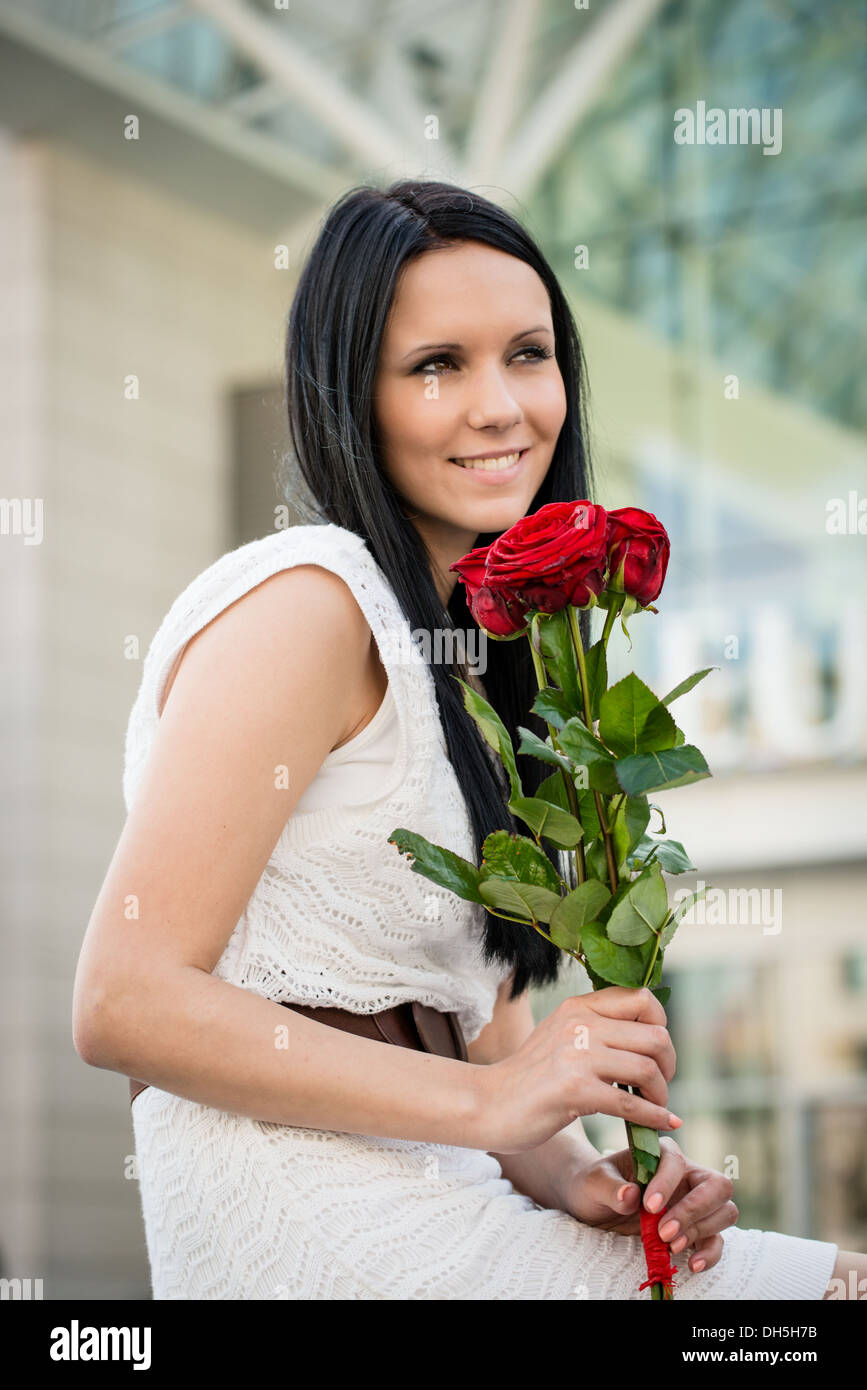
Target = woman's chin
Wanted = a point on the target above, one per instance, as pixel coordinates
(496, 516)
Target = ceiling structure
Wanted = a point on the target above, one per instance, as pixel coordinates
(562, 113)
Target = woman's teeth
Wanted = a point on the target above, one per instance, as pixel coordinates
(490, 465)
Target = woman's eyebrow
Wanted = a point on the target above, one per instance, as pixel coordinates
(524, 333)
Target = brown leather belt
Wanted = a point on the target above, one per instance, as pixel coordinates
(415, 1025)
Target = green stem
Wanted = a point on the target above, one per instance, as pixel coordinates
(588, 720)
(657, 1291)
(524, 923)
(653, 957)
(571, 794)
(610, 620)
(582, 664)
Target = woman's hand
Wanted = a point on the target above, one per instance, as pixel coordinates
(567, 1066)
(697, 1199)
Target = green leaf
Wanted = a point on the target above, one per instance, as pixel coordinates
(578, 907)
(632, 720)
(639, 915)
(558, 826)
(677, 917)
(668, 931)
(439, 865)
(595, 979)
(600, 774)
(553, 790)
(669, 853)
(680, 739)
(618, 965)
(597, 675)
(551, 705)
(526, 900)
(586, 750)
(650, 772)
(515, 856)
(645, 1139)
(662, 992)
(589, 816)
(648, 1159)
(646, 1167)
(493, 731)
(630, 823)
(558, 654)
(536, 747)
(596, 859)
(687, 684)
(576, 739)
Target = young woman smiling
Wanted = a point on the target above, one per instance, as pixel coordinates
(436, 393)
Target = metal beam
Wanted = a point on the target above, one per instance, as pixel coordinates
(573, 91)
(137, 28)
(321, 95)
(255, 102)
(90, 61)
(394, 79)
(501, 87)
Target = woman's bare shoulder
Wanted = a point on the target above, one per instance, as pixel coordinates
(306, 615)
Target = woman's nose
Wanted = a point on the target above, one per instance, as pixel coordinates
(492, 404)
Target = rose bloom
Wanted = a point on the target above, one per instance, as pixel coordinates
(643, 539)
(500, 614)
(556, 556)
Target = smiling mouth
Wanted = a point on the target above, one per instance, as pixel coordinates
(497, 464)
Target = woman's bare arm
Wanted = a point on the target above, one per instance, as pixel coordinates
(543, 1173)
(271, 682)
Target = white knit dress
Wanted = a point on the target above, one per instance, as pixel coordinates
(236, 1208)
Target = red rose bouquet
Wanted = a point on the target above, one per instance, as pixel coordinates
(610, 747)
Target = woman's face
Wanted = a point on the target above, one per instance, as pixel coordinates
(467, 369)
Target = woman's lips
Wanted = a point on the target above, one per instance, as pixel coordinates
(494, 468)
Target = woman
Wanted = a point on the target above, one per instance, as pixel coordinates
(285, 726)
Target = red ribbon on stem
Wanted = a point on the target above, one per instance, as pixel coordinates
(660, 1270)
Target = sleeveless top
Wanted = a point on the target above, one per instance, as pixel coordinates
(338, 916)
(356, 772)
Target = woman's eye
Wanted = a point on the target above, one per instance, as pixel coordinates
(425, 367)
(539, 353)
(432, 364)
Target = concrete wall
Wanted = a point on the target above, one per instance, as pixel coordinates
(104, 278)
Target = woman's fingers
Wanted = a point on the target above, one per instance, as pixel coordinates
(651, 1040)
(670, 1173)
(604, 1099)
(618, 1001)
(706, 1254)
(702, 1212)
(693, 1231)
(635, 1069)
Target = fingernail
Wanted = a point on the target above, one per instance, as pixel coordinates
(699, 1264)
(674, 1121)
(668, 1230)
(679, 1244)
(621, 1193)
(654, 1202)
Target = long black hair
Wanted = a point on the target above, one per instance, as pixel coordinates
(335, 329)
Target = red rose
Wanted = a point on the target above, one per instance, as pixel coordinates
(499, 614)
(556, 556)
(643, 540)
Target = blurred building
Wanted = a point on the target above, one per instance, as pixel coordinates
(163, 167)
